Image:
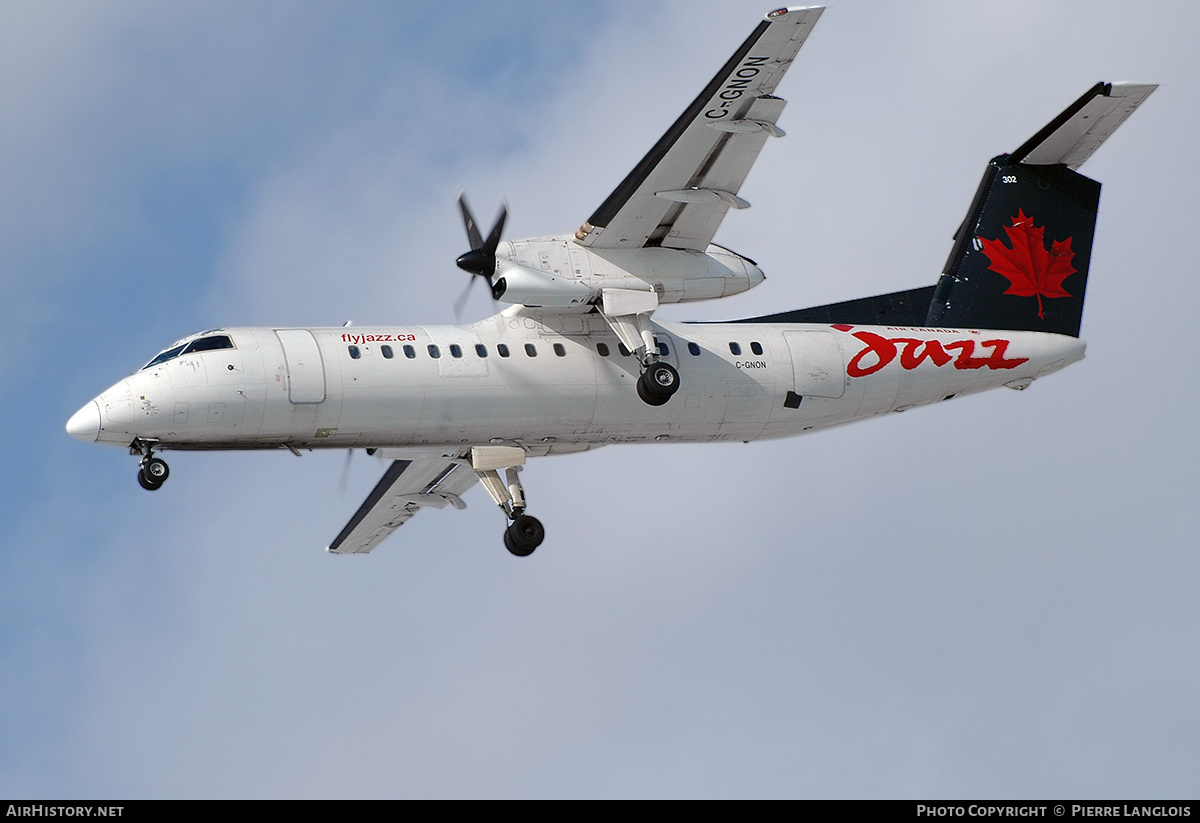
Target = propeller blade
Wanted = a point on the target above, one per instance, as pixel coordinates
(461, 302)
(489, 248)
(473, 235)
(346, 471)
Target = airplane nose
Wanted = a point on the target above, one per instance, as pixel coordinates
(85, 423)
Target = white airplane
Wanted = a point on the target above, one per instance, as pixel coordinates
(579, 361)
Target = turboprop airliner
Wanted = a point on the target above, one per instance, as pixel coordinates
(579, 360)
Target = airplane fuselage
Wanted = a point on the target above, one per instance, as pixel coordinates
(553, 383)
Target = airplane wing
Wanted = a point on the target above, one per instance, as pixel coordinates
(406, 486)
(678, 194)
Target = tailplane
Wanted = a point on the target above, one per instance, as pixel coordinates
(1020, 258)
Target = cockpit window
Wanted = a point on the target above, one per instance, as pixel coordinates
(165, 356)
(217, 341)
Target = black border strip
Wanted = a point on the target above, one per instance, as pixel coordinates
(381, 488)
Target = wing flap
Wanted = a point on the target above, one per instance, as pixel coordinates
(406, 487)
(711, 147)
(693, 228)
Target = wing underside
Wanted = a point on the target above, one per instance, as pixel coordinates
(405, 487)
(678, 194)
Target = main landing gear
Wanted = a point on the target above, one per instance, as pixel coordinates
(628, 313)
(153, 471)
(658, 382)
(523, 535)
(525, 532)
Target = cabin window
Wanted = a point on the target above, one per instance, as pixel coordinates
(434, 351)
(410, 352)
(621, 348)
(560, 350)
(531, 350)
(455, 350)
(481, 350)
(693, 349)
(354, 352)
(756, 348)
(387, 352)
(602, 349)
(502, 349)
(662, 347)
(735, 348)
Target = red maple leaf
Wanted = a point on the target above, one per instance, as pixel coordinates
(1031, 268)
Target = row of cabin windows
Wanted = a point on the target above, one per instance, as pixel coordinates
(502, 349)
(456, 351)
(693, 349)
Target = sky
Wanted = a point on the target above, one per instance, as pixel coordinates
(994, 597)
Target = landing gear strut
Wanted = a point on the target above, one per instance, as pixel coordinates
(525, 532)
(153, 471)
(627, 313)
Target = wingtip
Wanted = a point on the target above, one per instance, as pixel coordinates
(775, 14)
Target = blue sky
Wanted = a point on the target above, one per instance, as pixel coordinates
(993, 597)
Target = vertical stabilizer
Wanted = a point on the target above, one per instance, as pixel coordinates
(1020, 259)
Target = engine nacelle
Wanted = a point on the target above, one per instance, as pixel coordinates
(515, 283)
(558, 271)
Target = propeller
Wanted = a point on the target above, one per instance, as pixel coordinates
(480, 261)
(346, 471)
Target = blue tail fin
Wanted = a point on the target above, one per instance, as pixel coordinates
(1020, 259)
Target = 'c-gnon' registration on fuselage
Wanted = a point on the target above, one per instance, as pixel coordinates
(579, 360)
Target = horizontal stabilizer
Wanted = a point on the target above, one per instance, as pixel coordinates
(1071, 137)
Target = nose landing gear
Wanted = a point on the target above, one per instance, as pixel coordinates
(153, 471)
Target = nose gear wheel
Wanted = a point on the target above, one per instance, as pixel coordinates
(153, 471)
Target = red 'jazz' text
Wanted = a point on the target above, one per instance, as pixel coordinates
(881, 350)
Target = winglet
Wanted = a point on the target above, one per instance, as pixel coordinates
(1071, 137)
